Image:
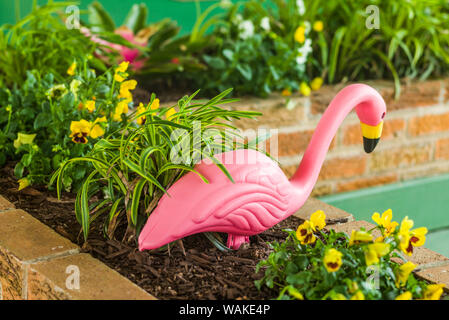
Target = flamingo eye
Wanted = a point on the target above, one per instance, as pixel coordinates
(383, 115)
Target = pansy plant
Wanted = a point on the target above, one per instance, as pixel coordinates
(316, 264)
(51, 121)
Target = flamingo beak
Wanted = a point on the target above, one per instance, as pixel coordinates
(371, 136)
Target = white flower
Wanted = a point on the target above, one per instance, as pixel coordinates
(74, 86)
(307, 26)
(301, 7)
(265, 23)
(304, 51)
(238, 18)
(246, 29)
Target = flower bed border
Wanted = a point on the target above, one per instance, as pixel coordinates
(36, 263)
(34, 259)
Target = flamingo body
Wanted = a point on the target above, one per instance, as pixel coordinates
(261, 195)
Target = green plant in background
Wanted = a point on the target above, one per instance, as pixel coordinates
(157, 47)
(136, 168)
(48, 121)
(412, 40)
(260, 47)
(312, 264)
(41, 41)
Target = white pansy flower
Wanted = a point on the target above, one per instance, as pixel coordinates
(301, 7)
(304, 51)
(246, 29)
(265, 23)
(308, 26)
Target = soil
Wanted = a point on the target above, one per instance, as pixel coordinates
(203, 272)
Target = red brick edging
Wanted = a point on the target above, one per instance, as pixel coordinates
(37, 263)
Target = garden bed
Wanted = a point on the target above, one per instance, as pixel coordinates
(202, 273)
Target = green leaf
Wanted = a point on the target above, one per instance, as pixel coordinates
(137, 193)
(42, 120)
(137, 17)
(134, 167)
(99, 18)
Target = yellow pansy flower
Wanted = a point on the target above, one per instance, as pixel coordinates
(385, 222)
(170, 114)
(155, 104)
(96, 129)
(71, 69)
(122, 67)
(375, 251)
(318, 26)
(407, 295)
(122, 107)
(433, 292)
(141, 109)
(126, 87)
(286, 93)
(316, 83)
(300, 34)
(304, 233)
(332, 260)
(403, 272)
(80, 131)
(119, 78)
(318, 220)
(304, 89)
(120, 72)
(358, 296)
(360, 236)
(23, 139)
(410, 238)
(90, 105)
(23, 183)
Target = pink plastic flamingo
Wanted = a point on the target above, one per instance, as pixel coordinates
(261, 196)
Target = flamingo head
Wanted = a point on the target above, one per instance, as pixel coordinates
(371, 114)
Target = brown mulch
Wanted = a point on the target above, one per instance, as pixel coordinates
(203, 272)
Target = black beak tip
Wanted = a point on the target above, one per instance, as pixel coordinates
(370, 144)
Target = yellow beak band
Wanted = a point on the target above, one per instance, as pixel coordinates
(371, 135)
(372, 132)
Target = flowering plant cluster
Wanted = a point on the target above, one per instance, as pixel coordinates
(317, 264)
(133, 169)
(261, 48)
(46, 121)
(155, 48)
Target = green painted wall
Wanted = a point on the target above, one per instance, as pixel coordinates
(184, 12)
(426, 201)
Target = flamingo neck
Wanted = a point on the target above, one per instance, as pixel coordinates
(349, 98)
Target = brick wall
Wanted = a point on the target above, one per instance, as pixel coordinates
(414, 143)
